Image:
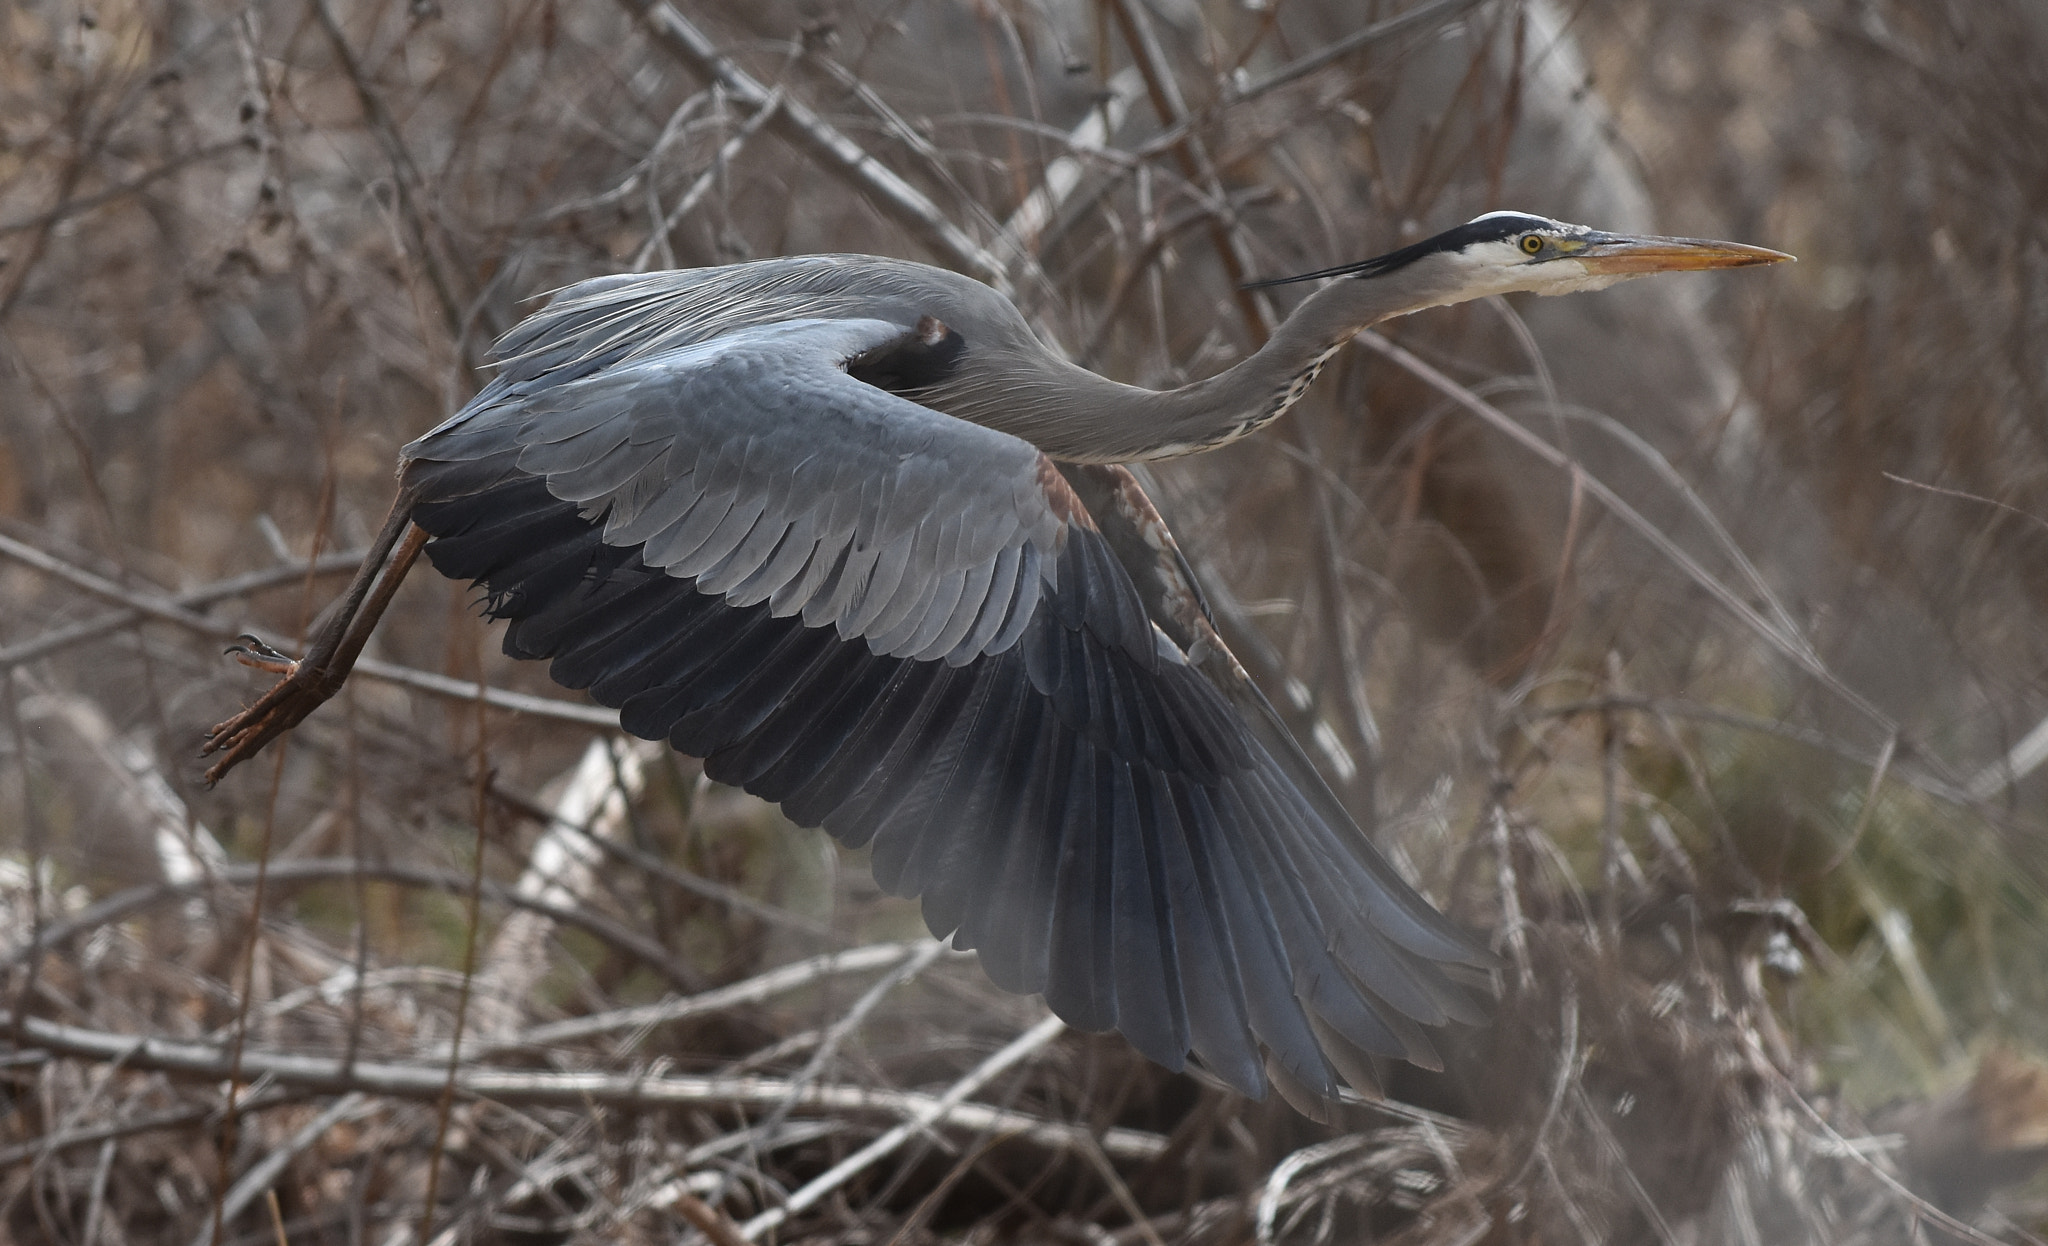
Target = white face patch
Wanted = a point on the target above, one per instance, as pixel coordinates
(1501, 268)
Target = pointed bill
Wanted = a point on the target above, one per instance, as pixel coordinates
(1631, 254)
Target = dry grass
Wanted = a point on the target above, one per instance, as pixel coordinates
(1686, 636)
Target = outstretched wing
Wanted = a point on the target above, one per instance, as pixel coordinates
(908, 629)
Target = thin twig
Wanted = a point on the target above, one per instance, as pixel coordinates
(82, 204)
(561, 868)
(125, 904)
(261, 1178)
(1193, 156)
(1679, 707)
(941, 1108)
(1863, 815)
(1386, 28)
(340, 563)
(758, 989)
(656, 867)
(1842, 1147)
(129, 1126)
(706, 1219)
(406, 178)
(810, 133)
(1789, 643)
(727, 153)
(1063, 173)
(174, 610)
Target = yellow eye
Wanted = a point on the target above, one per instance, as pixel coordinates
(1531, 244)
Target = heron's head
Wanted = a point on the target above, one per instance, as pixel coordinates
(1502, 252)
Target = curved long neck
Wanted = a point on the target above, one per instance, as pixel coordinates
(1077, 416)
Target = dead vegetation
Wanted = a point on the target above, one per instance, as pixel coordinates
(1686, 637)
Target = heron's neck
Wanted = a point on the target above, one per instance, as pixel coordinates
(1102, 421)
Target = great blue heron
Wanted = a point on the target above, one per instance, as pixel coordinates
(844, 528)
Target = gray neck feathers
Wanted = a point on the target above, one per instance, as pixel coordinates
(1076, 416)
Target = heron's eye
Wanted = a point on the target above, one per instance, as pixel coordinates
(1531, 244)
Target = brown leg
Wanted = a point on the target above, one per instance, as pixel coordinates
(310, 681)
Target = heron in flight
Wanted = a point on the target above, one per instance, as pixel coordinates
(845, 529)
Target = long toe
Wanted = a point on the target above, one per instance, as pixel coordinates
(277, 711)
(243, 736)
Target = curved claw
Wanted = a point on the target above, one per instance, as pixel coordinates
(253, 651)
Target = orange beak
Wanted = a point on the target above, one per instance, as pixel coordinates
(1630, 254)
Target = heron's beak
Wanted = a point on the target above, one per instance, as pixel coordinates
(1627, 254)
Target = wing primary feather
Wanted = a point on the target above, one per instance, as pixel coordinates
(686, 679)
(906, 730)
(822, 561)
(962, 866)
(847, 580)
(1143, 948)
(801, 738)
(946, 861)
(573, 450)
(601, 477)
(943, 761)
(647, 485)
(586, 619)
(794, 662)
(1023, 602)
(920, 587)
(1111, 691)
(894, 779)
(1219, 1030)
(1013, 930)
(892, 710)
(1293, 857)
(661, 650)
(1263, 949)
(935, 618)
(523, 584)
(1080, 981)
(618, 638)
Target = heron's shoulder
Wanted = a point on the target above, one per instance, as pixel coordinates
(855, 286)
(829, 280)
(635, 314)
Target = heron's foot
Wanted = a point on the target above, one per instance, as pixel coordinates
(303, 689)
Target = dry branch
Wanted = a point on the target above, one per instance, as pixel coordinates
(426, 1080)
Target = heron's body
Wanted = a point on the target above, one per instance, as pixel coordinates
(990, 372)
(844, 528)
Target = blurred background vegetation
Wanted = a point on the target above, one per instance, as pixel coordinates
(1689, 637)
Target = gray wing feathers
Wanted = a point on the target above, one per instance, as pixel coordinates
(755, 465)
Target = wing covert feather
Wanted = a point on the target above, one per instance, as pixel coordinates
(710, 456)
